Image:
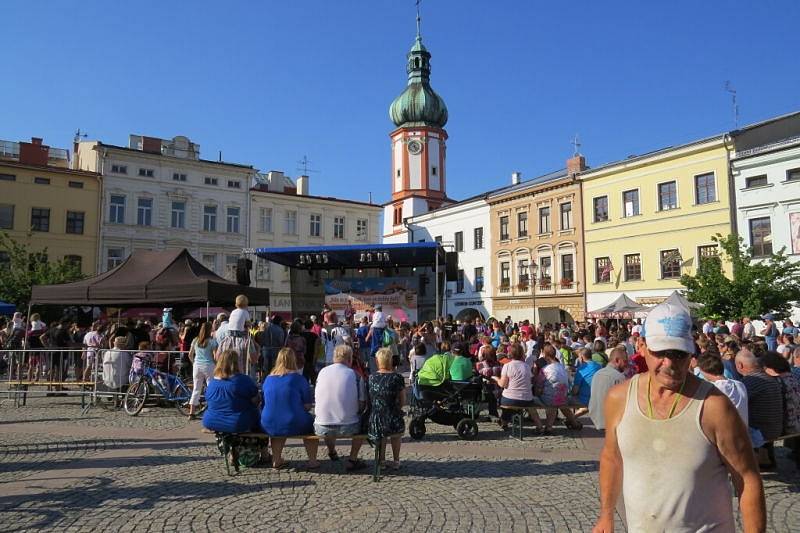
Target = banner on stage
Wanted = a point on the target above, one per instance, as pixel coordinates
(397, 295)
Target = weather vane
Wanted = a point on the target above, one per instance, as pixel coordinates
(419, 19)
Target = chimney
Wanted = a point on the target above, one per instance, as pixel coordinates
(575, 165)
(34, 152)
(302, 186)
(516, 177)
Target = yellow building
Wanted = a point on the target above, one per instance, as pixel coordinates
(649, 219)
(44, 204)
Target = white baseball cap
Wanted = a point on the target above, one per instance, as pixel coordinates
(668, 327)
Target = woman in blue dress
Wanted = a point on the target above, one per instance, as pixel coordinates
(287, 399)
(232, 398)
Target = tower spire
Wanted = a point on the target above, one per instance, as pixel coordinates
(419, 21)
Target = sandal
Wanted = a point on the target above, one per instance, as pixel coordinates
(355, 464)
(333, 455)
(394, 466)
(281, 465)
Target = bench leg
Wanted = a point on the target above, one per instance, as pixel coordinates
(516, 426)
(376, 472)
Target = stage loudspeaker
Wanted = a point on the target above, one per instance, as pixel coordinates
(451, 266)
(423, 285)
(243, 267)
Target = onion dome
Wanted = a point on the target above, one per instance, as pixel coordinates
(418, 105)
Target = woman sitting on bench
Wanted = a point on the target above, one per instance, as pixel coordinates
(232, 398)
(287, 399)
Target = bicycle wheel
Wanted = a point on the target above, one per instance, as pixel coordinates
(136, 396)
(181, 396)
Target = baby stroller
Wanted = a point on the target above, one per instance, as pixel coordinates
(454, 403)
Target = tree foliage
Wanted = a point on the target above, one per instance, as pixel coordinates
(25, 269)
(759, 285)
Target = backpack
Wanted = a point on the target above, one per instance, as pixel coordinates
(162, 337)
(388, 338)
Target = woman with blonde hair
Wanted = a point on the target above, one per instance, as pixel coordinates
(386, 388)
(236, 337)
(287, 399)
(231, 397)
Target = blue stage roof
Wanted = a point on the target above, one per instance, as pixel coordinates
(355, 255)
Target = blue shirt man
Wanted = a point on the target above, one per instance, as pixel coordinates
(583, 380)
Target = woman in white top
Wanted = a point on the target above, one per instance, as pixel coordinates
(238, 338)
(711, 368)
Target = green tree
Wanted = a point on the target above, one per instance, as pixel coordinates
(25, 269)
(759, 285)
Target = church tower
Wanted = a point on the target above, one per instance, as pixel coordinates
(418, 146)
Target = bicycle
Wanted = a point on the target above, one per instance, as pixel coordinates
(169, 386)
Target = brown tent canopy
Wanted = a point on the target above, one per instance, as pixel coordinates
(163, 278)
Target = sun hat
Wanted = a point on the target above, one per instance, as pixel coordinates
(668, 327)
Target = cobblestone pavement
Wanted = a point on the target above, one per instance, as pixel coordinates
(156, 472)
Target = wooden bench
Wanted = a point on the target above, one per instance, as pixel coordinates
(228, 441)
(519, 413)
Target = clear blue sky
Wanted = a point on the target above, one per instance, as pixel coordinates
(267, 82)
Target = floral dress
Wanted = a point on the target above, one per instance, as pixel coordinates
(556, 385)
(385, 416)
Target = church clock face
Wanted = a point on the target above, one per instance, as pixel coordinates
(414, 147)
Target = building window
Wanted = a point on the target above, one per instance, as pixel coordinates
(40, 219)
(8, 177)
(600, 208)
(115, 257)
(602, 269)
(74, 260)
(210, 261)
(362, 231)
(209, 218)
(459, 238)
(633, 267)
(522, 224)
(478, 279)
(41, 181)
(144, 212)
(76, 184)
(266, 219)
(503, 228)
(710, 251)
(545, 272)
(232, 219)
(433, 171)
(315, 226)
(523, 276)
(460, 280)
(6, 216)
(338, 227)
(146, 172)
(263, 270)
(670, 264)
(177, 176)
(667, 196)
(290, 223)
(566, 215)
(179, 215)
(211, 181)
(398, 215)
(544, 220)
(761, 236)
(478, 238)
(630, 201)
(116, 214)
(704, 188)
(234, 184)
(756, 181)
(567, 271)
(230, 267)
(505, 274)
(793, 174)
(119, 169)
(75, 222)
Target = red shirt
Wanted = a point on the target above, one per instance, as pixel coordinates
(638, 361)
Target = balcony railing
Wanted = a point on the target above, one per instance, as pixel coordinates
(505, 287)
(545, 284)
(567, 283)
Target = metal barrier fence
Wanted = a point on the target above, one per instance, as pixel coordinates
(90, 373)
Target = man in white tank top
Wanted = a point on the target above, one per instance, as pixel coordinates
(671, 441)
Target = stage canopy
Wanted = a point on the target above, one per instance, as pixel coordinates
(622, 307)
(7, 309)
(355, 256)
(162, 278)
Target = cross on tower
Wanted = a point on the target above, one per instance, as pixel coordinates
(418, 17)
(576, 145)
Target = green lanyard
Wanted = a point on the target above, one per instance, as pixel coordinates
(674, 402)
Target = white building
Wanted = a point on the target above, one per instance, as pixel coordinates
(766, 178)
(158, 194)
(461, 227)
(284, 214)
